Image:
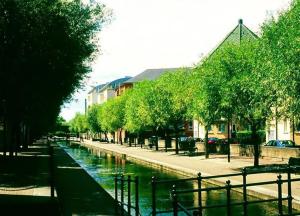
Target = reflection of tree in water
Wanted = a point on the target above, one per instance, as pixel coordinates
(214, 198)
(104, 168)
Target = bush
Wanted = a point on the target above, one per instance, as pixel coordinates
(244, 137)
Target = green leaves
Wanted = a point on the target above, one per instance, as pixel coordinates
(92, 118)
(79, 123)
(280, 62)
(160, 103)
(111, 114)
(45, 50)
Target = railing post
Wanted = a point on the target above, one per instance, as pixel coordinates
(129, 194)
(137, 207)
(122, 194)
(279, 183)
(51, 154)
(245, 204)
(174, 200)
(153, 184)
(290, 197)
(199, 181)
(228, 188)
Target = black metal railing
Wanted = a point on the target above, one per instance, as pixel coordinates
(122, 183)
(155, 182)
(228, 187)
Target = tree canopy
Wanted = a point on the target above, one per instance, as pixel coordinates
(93, 119)
(280, 62)
(45, 50)
(79, 123)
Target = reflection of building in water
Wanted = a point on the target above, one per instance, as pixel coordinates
(120, 164)
(195, 195)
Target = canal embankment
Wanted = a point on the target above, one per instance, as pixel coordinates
(78, 193)
(191, 166)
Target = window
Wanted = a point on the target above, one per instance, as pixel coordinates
(221, 128)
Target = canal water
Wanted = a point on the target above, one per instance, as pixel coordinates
(103, 167)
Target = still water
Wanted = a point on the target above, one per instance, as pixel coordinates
(102, 167)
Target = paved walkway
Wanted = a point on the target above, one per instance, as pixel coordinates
(24, 183)
(25, 186)
(216, 165)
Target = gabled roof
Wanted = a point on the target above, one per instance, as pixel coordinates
(114, 84)
(239, 33)
(96, 88)
(150, 74)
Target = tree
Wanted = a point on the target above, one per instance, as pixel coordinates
(61, 126)
(111, 115)
(236, 85)
(148, 107)
(45, 47)
(177, 88)
(206, 96)
(79, 123)
(279, 61)
(93, 120)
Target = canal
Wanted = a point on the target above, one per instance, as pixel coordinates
(103, 167)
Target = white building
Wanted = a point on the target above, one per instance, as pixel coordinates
(103, 92)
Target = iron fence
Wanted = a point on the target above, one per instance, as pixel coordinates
(121, 182)
(198, 210)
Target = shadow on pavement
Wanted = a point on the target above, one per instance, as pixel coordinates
(28, 205)
(24, 183)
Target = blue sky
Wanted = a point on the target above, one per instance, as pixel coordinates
(166, 33)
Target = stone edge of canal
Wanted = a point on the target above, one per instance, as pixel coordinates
(186, 173)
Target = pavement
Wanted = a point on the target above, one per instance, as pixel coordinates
(215, 165)
(25, 185)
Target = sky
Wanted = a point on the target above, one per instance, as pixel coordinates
(147, 34)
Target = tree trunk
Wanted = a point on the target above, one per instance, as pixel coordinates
(293, 128)
(18, 139)
(276, 124)
(176, 142)
(120, 136)
(206, 142)
(5, 138)
(166, 140)
(11, 139)
(26, 137)
(254, 137)
(105, 137)
(228, 140)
